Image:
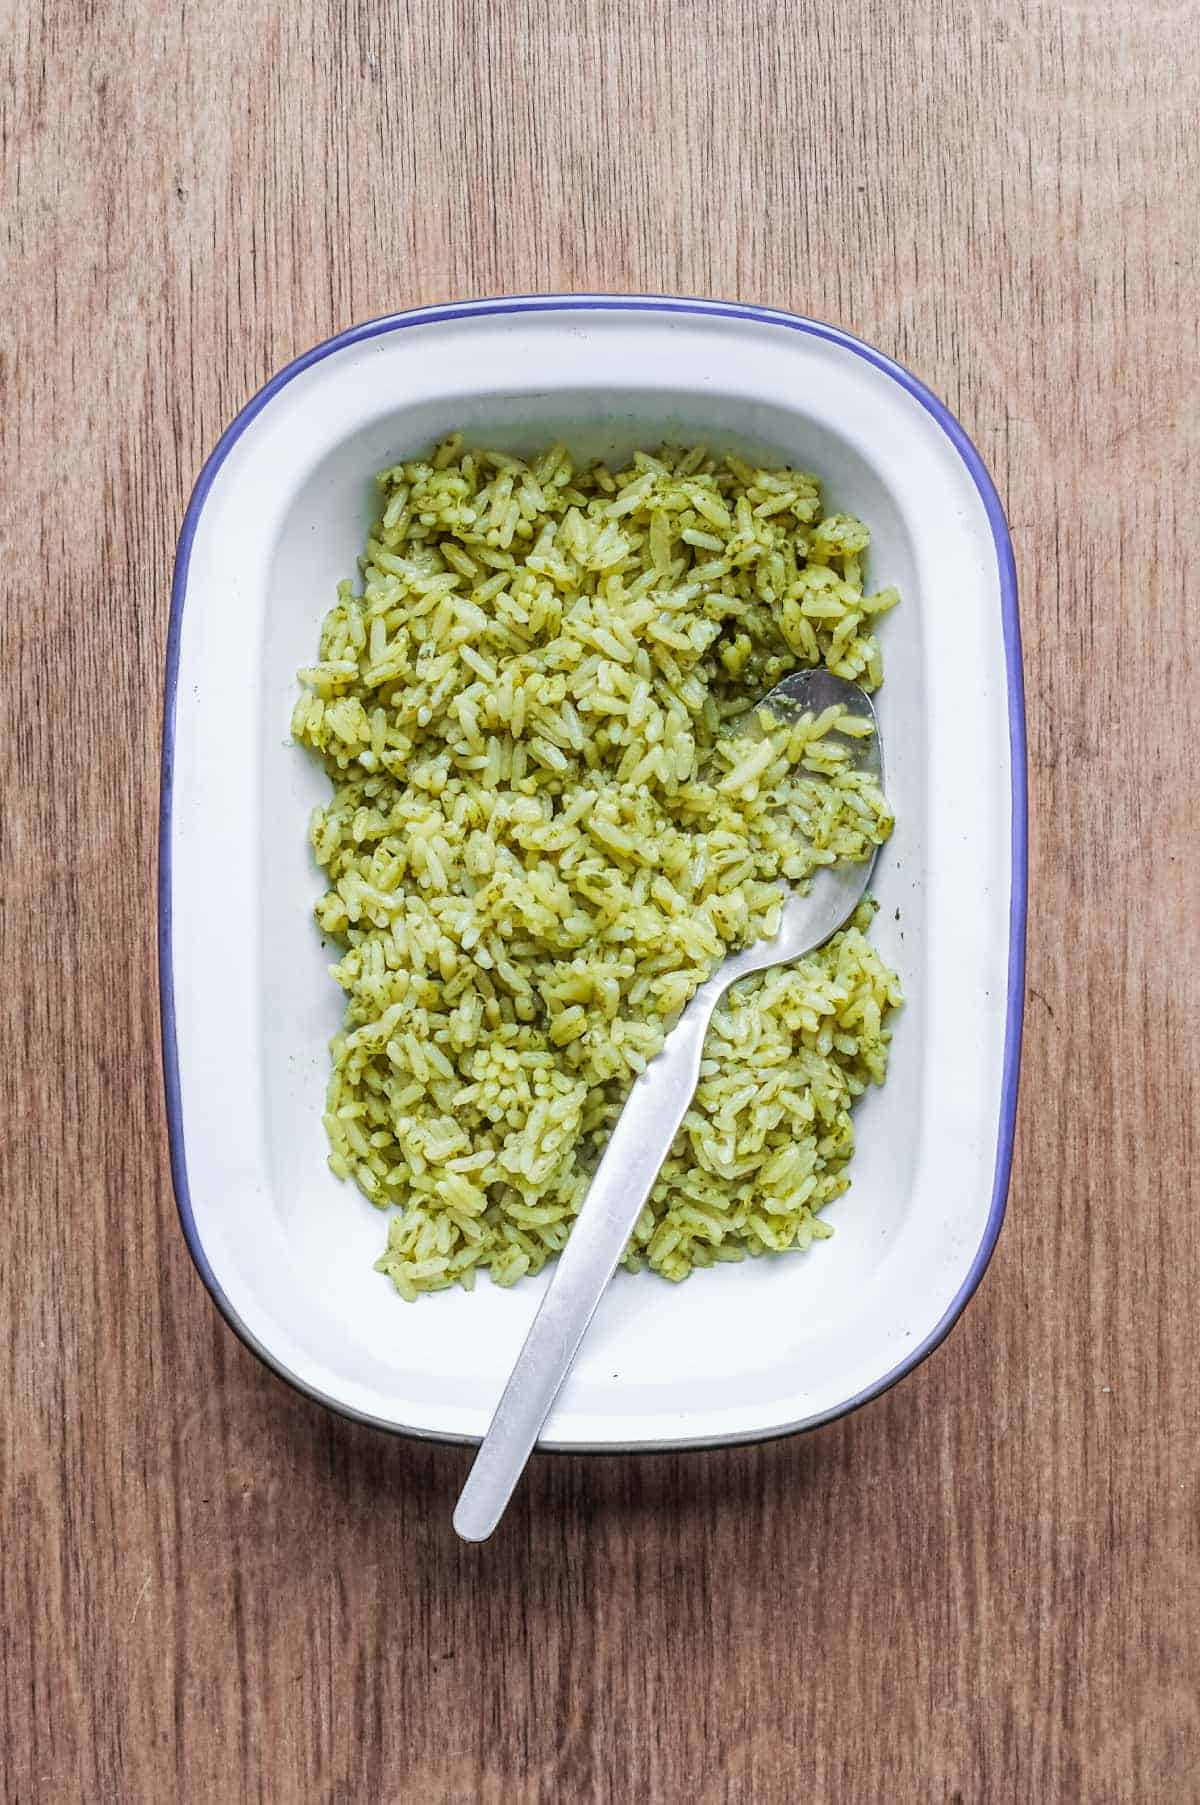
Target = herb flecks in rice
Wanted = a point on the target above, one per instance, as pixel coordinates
(550, 821)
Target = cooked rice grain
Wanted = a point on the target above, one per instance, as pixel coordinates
(553, 813)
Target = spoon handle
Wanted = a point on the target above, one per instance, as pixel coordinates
(624, 1179)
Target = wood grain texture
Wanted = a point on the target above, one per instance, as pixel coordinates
(982, 1587)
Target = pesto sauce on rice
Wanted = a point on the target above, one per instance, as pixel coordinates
(544, 834)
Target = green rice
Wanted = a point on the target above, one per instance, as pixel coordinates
(555, 809)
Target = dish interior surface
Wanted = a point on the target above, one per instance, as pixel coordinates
(736, 1351)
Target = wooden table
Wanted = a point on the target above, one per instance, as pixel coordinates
(983, 1587)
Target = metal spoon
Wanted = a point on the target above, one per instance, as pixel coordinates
(642, 1138)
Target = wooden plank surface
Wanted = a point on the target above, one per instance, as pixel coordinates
(982, 1587)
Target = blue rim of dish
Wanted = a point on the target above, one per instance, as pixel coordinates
(1014, 1018)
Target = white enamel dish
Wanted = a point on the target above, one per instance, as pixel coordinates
(278, 517)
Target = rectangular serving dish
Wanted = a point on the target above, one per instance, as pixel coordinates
(277, 519)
